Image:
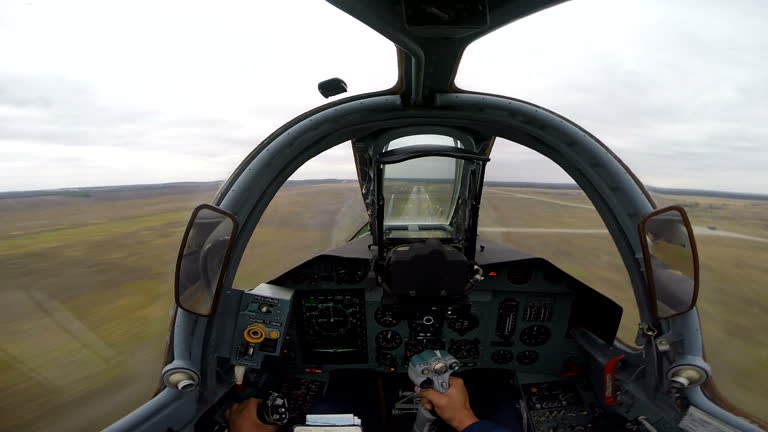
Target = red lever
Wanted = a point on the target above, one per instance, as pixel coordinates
(571, 369)
(609, 375)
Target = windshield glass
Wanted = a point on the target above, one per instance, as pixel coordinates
(692, 127)
(420, 193)
(287, 234)
(166, 100)
(423, 139)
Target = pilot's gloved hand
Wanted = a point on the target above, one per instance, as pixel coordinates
(243, 417)
(453, 406)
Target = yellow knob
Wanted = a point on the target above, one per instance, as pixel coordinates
(273, 334)
(254, 333)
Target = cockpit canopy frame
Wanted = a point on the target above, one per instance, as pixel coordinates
(374, 155)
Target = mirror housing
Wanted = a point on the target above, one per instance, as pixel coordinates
(671, 261)
(203, 257)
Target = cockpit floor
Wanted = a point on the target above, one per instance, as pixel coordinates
(371, 396)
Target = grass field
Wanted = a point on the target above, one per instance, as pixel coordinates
(86, 297)
(734, 271)
(87, 284)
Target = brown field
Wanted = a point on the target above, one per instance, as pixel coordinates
(87, 284)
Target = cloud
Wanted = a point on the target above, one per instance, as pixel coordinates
(129, 82)
(677, 89)
(58, 111)
(137, 92)
(332, 163)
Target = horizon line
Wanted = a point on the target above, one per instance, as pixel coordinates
(658, 189)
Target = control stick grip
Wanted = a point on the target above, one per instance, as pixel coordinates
(430, 369)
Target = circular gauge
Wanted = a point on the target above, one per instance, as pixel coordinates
(387, 360)
(535, 335)
(426, 324)
(527, 358)
(387, 316)
(413, 347)
(388, 339)
(463, 324)
(434, 344)
(502, 356)
(519, 273)
(464, 349)
(331, 319)
(351, 271)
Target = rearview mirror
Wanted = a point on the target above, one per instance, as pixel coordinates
(203, 256)
(671, 261)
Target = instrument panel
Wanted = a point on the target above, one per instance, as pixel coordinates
(517, 317)
(496, 326)
(329, 316)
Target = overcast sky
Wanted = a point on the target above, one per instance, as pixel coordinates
(106, 92)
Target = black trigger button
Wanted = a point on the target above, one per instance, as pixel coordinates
(427, 384)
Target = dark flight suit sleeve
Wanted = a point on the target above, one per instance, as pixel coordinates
(485, 426)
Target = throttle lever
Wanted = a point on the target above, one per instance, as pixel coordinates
(273, 410)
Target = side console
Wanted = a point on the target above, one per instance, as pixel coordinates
(261, 324)
(560, 406)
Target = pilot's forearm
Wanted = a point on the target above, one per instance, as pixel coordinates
(485, 426)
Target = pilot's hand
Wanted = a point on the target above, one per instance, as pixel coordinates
(453, 406)
(242, 417)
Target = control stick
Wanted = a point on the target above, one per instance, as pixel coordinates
(430, 369)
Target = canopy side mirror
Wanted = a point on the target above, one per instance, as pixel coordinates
(203, 256)
(671, 261)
